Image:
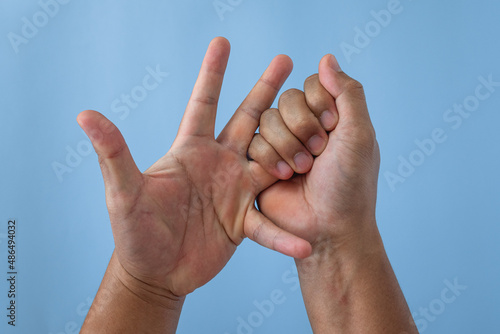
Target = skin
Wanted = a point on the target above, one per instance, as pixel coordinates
(299, 126)
(177, 224)
(347, 283)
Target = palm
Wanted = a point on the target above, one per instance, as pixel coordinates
(194, 232)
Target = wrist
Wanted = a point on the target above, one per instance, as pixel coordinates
(155, 296)
(350, 241)
(350, 285)
(125, 305)
(339, 260)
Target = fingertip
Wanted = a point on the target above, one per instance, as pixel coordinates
(88, 121)
(117, 165)
(79, 118)
(278, 71)
(95, 125)
(329, 71)
(284, 171)
(305, 251)
(329, 120)
(285, 58)
(317, 143)
(221, 39)
(284, 61)
(82, 117)
(303, 162)
(261, 230)
(88, 116)
(323, 62)
(331, 62)
(299, 248)
(327, 76)
(221, 44)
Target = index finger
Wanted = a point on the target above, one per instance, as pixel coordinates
(239, 131)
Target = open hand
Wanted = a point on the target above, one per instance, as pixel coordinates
(177, 224)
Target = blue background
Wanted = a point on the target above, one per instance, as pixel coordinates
(441, 223)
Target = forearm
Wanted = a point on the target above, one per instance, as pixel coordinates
(123, 306)
(351, 288)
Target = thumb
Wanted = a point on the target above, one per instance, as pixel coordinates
(348, 93)
(118, 168)
(261, 230)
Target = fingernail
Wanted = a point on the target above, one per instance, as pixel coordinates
(284, 169)
(302, 161)
(327, 119)
(334, 63)
(316, 144)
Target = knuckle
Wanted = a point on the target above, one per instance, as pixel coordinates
(253, 149)
(252, 112)
(256, 143)
(355, 87)
(316, 101)
(206, 100)
(311, 80)
(257, 231)
(289, 95)
(300, 125)
(367, 137)
(268, 117)
(268, 83)
(256, 138)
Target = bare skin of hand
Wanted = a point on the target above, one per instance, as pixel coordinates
(338, 194)
(177, 224)
(347, 283)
